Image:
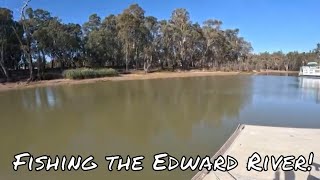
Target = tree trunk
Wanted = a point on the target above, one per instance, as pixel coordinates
(127, 58)
(43, 63)
(39, 68)
(26, 48)
(5, 71)
(31, 77)
(147, 65)
(162, 64)
(136, 57)
(3, 67)
(62, 65)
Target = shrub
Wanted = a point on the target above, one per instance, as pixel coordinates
(86, 73)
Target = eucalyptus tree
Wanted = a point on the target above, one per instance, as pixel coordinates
(277, 58)
(215, 42)
(126, 25)
(244, 48)
(27, 39)
(210, 32)
(130, 24)
(93, 24)
(166, 43)
(132, 40)
(66, 43)
(97, 48)
(152, 42)
(221, 48)
(8, 42)
(139, 31)
(181, 23)
(232, 43)
(38, 22)
(293, 61)
(103, 45)
(265, 57)
(195, 46)
(109, 26)
(72, 34)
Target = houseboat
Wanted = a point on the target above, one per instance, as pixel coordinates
(311, 69)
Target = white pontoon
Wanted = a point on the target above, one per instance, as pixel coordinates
(311, 69)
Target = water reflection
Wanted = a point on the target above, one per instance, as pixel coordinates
(39, 98)
(283, 101)
(310, 88)
(188, 116)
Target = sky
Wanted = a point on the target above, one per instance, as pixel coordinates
(270, 25)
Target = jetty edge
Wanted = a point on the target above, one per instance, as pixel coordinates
(267, 141)
(201, 174)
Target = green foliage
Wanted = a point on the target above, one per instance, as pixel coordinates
(128, 41)
(10, 53)
(86, 73)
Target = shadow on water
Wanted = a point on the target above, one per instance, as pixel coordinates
(290, 175)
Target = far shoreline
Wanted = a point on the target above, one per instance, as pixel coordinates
(129, 77)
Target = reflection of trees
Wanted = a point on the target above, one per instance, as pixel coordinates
(310, 87)
(142, 109)
(117, 117)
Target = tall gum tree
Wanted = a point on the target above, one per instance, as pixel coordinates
(180, 20)
(6, 39)
(130, 32)
(26, 41)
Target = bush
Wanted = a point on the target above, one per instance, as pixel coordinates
(86, 73)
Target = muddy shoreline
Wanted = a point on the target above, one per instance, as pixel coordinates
(126, 77)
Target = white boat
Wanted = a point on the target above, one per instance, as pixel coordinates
(311, 69)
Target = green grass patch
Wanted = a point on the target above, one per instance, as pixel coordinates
(86, 73)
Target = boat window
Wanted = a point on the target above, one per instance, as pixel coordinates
(312, 64)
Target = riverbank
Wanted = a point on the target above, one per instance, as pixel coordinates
(124, 77)
(278, 72)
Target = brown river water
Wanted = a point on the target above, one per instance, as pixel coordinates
(182, 116)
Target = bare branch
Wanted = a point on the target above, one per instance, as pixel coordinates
(23, 9)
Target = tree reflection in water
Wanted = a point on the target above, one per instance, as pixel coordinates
(180, 116)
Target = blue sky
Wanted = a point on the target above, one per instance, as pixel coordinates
(270, 25)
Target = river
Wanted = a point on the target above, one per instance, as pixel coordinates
(182, 116)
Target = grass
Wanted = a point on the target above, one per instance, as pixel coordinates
(86, 73)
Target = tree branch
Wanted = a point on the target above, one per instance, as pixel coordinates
(23, 9)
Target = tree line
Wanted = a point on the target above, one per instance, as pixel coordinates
(130, 40)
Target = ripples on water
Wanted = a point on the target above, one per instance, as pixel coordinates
(188, 116)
